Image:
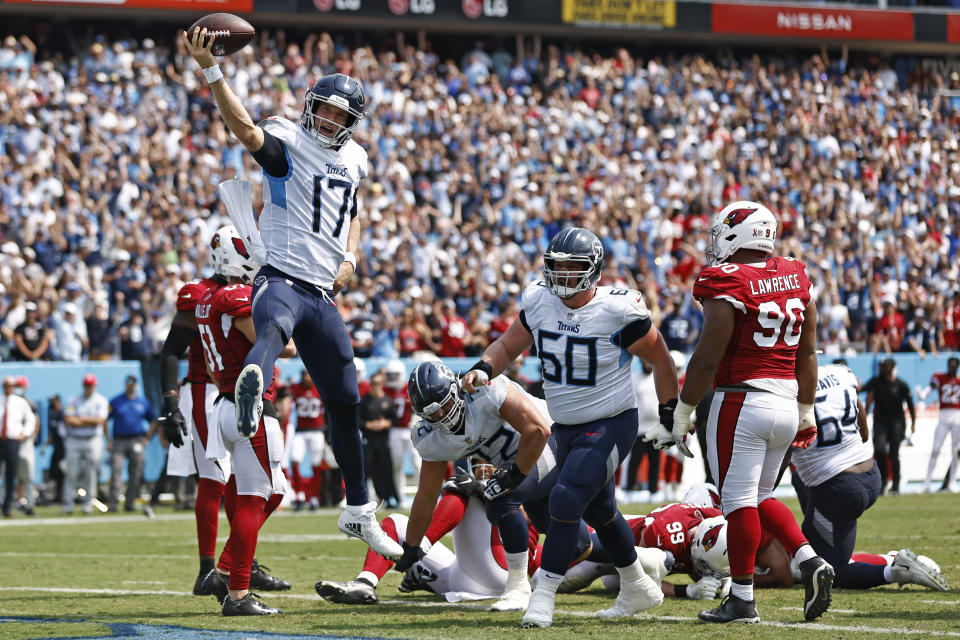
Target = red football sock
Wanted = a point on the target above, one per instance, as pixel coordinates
(243, 539)
(230, 498)
(374, 562)
(316, 484)
(870, 558)
(777, 518)
(207, 510)
(743, 538)
(296, 480)
(446, 516)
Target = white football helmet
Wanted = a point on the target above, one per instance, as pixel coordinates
(229, 255)
(396, 374)
(703, 495)
(708, 550)
(741, 225)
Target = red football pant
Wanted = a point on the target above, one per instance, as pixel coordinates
(776, 518)
(207, 510)
(252, 512)
(743, 539)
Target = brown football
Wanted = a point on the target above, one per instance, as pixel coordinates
(231, 32)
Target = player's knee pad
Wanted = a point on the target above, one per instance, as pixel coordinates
(567, 502)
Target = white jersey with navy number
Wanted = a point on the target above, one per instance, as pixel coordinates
(485, 432)
(586, 376)
(838, 445)
(307, 213)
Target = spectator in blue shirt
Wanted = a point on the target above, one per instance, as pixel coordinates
(133, 425)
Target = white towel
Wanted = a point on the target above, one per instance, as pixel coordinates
(237, 196)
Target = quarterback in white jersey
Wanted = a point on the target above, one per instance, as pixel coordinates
(585, 336)
(310, 233)
(502, 424)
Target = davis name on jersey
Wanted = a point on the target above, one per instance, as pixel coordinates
(307, 213)
(187, 299)
(770, 299)
(838, 444)
(485, 433)
(949, 388)
(586, 376)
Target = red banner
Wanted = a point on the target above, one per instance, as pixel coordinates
(182, 5)
(953, 27)
(812, 22)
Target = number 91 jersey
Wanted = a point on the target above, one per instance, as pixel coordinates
(838, 443)
(586, 374)
(769, 299)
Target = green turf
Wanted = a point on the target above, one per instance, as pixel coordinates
(153, 556)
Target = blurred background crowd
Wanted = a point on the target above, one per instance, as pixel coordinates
(111, 150)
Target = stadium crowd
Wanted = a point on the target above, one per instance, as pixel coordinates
(110, 155)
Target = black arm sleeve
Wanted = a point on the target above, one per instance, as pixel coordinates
(631, 333)
(272, 156)
(523, 321)
(174, 347)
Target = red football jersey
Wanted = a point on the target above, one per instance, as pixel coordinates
(769, 303)
(670, 528)
(187, 299)
(225, 347)
(309, 407)
(401, 401)
(949, 388)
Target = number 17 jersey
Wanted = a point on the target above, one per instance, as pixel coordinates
(307, 213)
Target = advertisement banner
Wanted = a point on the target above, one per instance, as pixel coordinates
(441, 9)
(637, 14)
(812, 22)
(180, 5)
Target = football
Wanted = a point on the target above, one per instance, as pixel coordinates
(231, 32)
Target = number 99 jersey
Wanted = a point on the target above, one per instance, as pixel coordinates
(838, 444)
(769, 300)
(586, 374)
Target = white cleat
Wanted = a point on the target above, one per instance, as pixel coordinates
(907, 568)
(360, 522)
(539, 611)
(634, 596)
(513, 599)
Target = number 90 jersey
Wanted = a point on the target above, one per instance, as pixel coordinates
(838, 443)
(770, 300)
(307, 213)
(586, 375)
(485, 432)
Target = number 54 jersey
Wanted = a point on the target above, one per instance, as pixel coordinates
(769, 299)
(586, 373)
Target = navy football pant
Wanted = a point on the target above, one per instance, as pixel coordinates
(284, 308)
(830, 512)
(588, 455)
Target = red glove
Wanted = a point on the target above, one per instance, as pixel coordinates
(805, 438)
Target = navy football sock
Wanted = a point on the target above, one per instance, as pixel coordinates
(859, 575)
(270, 342)
(514, 532)
(559, 546)
(617, 539)
(348, 449)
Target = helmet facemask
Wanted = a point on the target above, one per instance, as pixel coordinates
(564, 281)
(447, 415)
(338, 133)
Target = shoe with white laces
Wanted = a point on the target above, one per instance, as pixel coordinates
(359, 521)
(539, 611)
(248, 398)
(635, 596)
(908, 568)
(515, 597)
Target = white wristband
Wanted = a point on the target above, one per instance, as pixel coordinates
(212, 74)
(351, 257)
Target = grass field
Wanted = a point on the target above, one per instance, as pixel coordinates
(105, 575)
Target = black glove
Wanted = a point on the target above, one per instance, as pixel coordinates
(464, 484)
(503, 481)
(411, 555)
(174, 426)
(666, 414)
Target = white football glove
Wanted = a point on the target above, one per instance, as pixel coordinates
(660, 437)
(682, 426)
(704, 589)
(725, 587)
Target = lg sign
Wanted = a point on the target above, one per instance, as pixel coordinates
(341, 5)
(487, 8)
(400, 7)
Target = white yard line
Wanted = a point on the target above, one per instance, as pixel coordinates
(809, 626)
(832, 610)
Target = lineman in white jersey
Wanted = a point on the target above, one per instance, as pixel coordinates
(585, 336)
(837, 480)
(502, 424)
(309, 230)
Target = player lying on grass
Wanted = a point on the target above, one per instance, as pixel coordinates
(476, 568)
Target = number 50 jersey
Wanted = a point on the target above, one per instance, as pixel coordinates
(307, 213)
(838, 443)
(769, 299)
